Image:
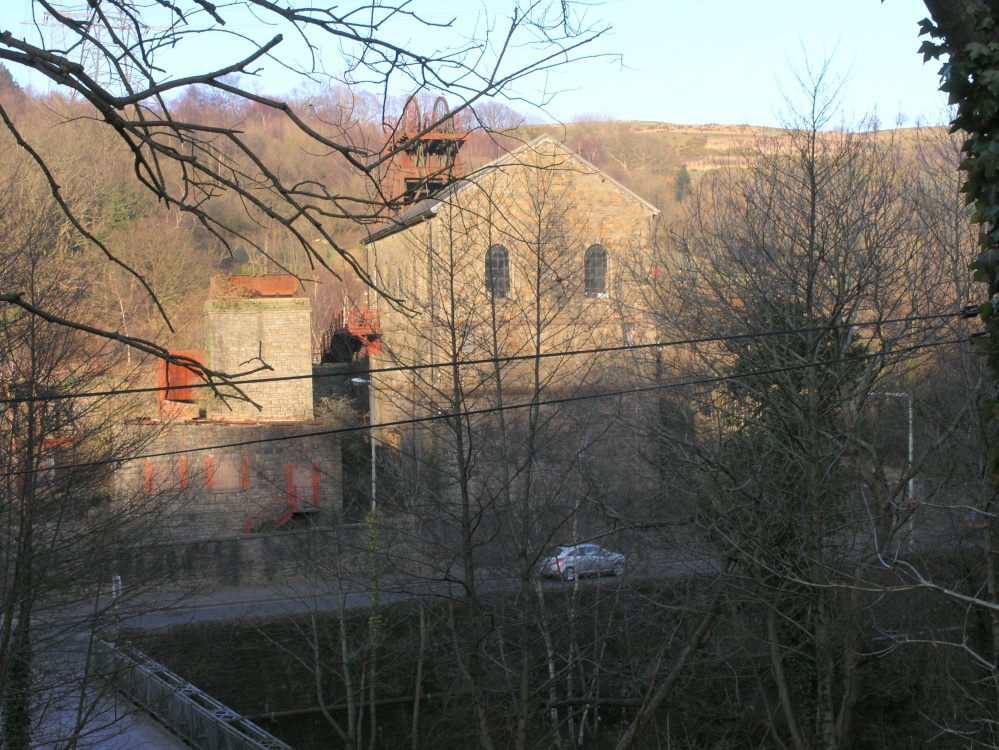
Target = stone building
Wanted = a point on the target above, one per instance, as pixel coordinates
(236, 466)
(244, 333)
(530, 260)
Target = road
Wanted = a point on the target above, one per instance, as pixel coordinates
(115, 725)
(271, 601)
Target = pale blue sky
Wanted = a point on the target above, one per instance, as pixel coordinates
(708, 61)
(721, 60)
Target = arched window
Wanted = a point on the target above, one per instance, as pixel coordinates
(498, 271)
(595, 271)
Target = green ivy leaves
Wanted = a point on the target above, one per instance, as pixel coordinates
(970, 78)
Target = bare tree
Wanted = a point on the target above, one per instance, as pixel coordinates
(805, 267)
(117, 57)
(965, 34)
(63, 528)
(512, 300)
(955, 484)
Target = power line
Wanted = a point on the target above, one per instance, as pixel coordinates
(489, 360)
(715, 379)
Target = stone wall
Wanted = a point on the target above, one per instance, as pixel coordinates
(231, 472)
(244, 333)
(547, 207)
(334, 381)
(289, 557)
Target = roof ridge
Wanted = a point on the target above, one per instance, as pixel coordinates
(432, 203)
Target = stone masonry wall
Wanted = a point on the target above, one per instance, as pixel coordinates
(546, 190)
(289, 557)
(244, 333)
(214, 486)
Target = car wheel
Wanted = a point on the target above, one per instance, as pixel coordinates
(619, 569)
(570, 574)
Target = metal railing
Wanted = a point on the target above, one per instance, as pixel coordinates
(299, 499)
(198, 719)
(361, 323)
(357, 320)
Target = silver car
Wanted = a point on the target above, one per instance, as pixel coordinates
(582, 560)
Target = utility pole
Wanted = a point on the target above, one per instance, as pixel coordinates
(96, 30)
(911, 484)
(910, 494)
(372, 400)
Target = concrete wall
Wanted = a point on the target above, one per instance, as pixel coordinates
(244, 333)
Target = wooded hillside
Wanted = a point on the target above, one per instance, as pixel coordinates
(177, 255)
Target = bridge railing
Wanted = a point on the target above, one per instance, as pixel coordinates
(198, 719)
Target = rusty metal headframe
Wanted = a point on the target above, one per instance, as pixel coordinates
(425, 152)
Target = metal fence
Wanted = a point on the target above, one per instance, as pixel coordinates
(198, 719)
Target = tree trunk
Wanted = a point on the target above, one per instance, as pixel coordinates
(654, 700)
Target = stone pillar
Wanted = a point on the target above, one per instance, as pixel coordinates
(244, 333)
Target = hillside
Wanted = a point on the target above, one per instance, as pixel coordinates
(646, 156)
(177, 255)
